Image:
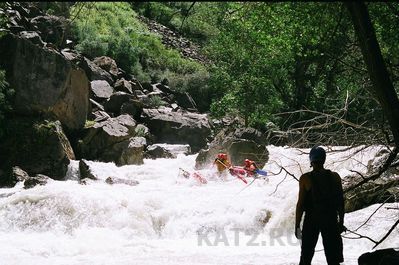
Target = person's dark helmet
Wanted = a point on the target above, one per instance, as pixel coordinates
(317, 154)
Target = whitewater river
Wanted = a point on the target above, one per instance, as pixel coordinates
(168, 219)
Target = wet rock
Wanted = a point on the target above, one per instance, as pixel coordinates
(114, 180)
(129, 152)
(238, 149)
(156, 151)
(85, 171)
(18, 174)
(111, 141)
(39, 147)
(178, 127)
(38, 179)
(10, 177)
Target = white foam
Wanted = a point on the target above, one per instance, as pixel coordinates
(158, 221)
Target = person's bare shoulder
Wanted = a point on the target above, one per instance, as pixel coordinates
(304, 180)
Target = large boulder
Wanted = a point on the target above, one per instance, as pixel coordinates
(108, 64)
(178, 127)
(53, 29)
(387, 256)
(45, 81)
(156, 151)
(239, 144)
(32, 36)
(128, 152)
(115, 102)
(132, 107)
(94, 72)
(36, 146)
(9, 177)
(101, 90)
(123, 86)
(113, 140)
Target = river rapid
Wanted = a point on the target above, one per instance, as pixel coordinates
(168, 219)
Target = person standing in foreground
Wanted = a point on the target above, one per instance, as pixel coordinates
(321, 198)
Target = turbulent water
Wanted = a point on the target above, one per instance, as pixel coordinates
(168, 219)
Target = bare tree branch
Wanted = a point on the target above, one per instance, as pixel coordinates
(387, 234)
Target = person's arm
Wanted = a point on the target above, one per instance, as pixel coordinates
(340, 198)
(300, 206)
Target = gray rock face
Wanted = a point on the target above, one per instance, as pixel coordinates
(123, 86)
(99, 116)
(178, 127)
(108, 64)
(42, 148)
(101, 90)
(94, 72)
(114, 103)
(130, 152)
(113, 141)
(45, 82)
(32, 36)
(53, 29)
(156, 151)
(238, 149)
(132, 107)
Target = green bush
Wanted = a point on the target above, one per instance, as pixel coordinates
(156, 101)
(196, 84)
(113, 29)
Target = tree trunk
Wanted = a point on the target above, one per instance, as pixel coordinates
(382, 85)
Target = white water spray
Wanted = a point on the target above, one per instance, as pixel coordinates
(168, 219)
